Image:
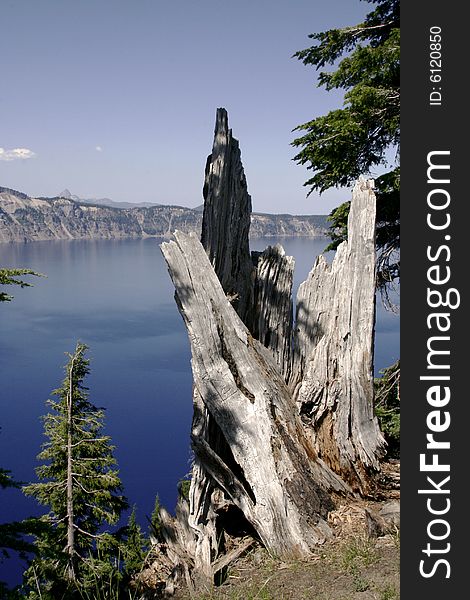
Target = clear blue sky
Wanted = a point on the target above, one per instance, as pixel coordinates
(117, 98)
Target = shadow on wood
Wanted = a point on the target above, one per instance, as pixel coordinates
(283, 413)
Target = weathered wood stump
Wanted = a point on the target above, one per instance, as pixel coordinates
(264, 462)
(283, 413)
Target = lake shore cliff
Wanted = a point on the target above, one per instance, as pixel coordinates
(27, 219)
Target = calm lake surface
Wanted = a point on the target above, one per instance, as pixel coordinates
(116, 296)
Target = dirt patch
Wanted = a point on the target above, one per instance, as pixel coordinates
(352, 566)
(352, 569)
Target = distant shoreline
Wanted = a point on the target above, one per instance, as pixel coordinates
(25, 219)
(147, 237)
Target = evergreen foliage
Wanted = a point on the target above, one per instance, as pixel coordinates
(184, 486)
(10, 277)
(387, 406)
(6, 480)
(134, 547)
(348, 142)
(80, 485)
(15, 536)
(155, 520)
(12, 535)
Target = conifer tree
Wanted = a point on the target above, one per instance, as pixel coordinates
(350, 141)
(134, 547)
(155, 520)
(79, 483)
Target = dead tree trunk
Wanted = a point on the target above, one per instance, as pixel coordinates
(332, 378)
(69, 490)
(226, 217)
(253, 372)
(261, 458)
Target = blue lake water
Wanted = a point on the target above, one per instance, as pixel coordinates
(116, 296)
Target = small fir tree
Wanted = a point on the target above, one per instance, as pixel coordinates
(155, 520)
(79, 483)
(134, 547)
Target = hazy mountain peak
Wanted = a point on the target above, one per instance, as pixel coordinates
(104, 201)
(66, 194)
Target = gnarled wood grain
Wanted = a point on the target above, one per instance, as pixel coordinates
(332, 378)
(272, 313)
(268, 468)
(255, 459)
(226, 217)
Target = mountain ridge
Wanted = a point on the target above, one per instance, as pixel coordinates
(105, 201)
(26, 219)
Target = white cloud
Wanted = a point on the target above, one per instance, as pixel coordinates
(16, 154)
(99, 149)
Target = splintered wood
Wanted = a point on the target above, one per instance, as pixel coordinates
(332, 376)
(283, 412)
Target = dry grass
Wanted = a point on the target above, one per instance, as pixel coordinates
(349, 567)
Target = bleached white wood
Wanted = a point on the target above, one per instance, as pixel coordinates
(271, 472)
(332, 379)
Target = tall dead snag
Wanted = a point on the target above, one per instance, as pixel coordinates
(260, 287)
(225, 228)
(262, 460)
(226, 218)
(256, 461)
(332, 379)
